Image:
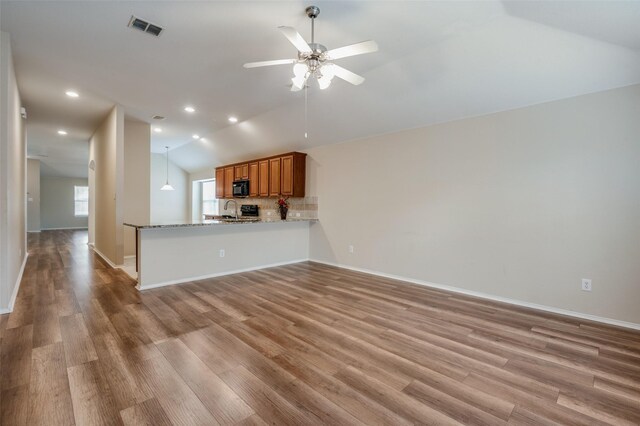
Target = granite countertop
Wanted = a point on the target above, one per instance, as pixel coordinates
(216, 223)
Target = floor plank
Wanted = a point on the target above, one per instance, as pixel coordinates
(298, 344)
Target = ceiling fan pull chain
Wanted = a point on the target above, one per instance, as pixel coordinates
(306, 119)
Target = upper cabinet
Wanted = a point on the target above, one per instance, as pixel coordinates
(241, 171)
(292, 174)
(263, 178)
(274, 176)
(220, 182)
(268, 177)
(254, 179)
(228, 182)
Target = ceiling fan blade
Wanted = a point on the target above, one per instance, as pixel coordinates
(269, 63)
(296, 39)
(353, 50)
(347, 75)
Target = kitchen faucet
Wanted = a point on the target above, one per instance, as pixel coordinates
(234, 203)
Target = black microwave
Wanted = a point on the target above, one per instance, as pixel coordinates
(241, 188)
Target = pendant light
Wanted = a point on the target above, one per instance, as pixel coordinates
(166, 186)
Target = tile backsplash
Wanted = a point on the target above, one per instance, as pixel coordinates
(299, 208)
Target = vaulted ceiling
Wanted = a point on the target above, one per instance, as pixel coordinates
(438, 61)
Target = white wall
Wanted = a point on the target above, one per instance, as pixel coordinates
(520, 204)
(13, 188)
(168, 206)
(57, 203)
(33, 195)
(137, 177)
(106, 187)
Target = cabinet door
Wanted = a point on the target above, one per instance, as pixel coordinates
(253, 180)
(228, 182)
(286, 179)
(244, 171)
(274, 177)
(220, 183)
(237, 174)
(263, 178)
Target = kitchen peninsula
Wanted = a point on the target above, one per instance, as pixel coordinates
(175, 253)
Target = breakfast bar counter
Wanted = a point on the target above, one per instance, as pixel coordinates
(182, 252)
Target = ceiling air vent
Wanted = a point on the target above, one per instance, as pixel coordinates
(158, 117)
(145, 26)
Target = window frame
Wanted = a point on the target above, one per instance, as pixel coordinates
(77, 200)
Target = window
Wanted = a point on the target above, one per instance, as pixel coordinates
(81, 200)
(209, 201)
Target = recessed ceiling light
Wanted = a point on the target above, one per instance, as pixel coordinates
(71, 94)
(157, 129)
(189, 109)
(233, 119)
(62, 132)
(196, 136)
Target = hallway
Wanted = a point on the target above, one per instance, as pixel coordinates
(300, 344)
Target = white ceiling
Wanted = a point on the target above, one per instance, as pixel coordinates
(438, 61)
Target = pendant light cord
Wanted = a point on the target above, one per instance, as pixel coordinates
(167, 164)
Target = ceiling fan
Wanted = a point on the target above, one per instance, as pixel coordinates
(314, 60)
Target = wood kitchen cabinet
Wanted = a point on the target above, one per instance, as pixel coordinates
(254, 179)
(220, 182)
(263, 178)
(268, 177)
(292, 174)
(228, 182)
(274, 176)
(241, 171)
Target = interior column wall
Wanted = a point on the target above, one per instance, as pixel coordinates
(137, 179)
(13, 188)
(33, 195)
(106, 186)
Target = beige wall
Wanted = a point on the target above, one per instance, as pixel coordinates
(13, 186)
(520, 204)
(33, 195)
(168, 206)
(106, 186)
(137, 179)
(57, 206)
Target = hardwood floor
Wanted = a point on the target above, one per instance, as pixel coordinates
(302, 344)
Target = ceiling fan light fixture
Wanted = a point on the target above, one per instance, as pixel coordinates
(298, 83)
(300, 69)
(324, 82)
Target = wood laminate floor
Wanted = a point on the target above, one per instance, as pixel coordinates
(303, 344)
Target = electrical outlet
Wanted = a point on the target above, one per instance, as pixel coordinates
(297, 214)
(350, 249)
(221, 252)
(586, 284)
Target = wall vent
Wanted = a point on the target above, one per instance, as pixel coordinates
(142, 25)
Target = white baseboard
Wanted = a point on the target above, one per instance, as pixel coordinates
(103, 256)
(609, 321)
(218, 274)
(33, 232)
(16, 287)
(62, 229)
